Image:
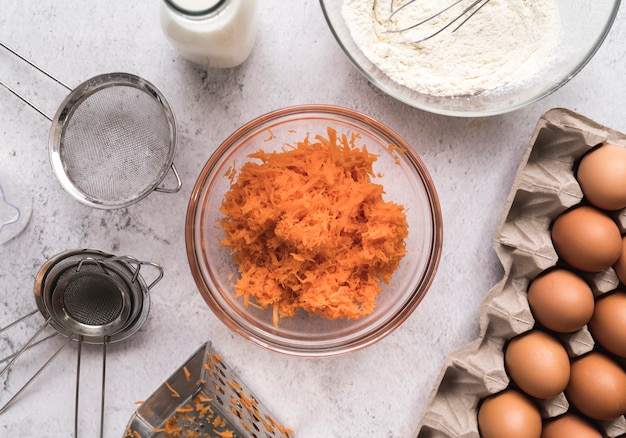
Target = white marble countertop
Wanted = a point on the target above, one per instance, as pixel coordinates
(379, 391)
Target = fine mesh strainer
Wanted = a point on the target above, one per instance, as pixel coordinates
(112, 139)
(90, 297)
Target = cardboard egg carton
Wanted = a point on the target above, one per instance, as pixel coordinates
(544, 187)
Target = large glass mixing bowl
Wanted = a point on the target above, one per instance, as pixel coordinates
(584, 26)
(406, 181)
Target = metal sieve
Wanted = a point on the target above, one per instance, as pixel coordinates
(90, 297)
(112, 139)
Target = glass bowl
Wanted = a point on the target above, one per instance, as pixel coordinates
(406, 181)
(584, 26)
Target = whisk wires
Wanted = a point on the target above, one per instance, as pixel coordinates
(460, 19)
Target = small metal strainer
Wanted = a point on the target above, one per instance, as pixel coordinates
(90, 297)
(112, 139)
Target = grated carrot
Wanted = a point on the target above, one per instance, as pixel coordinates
(234, 385)
(175, 393)
(309, 229)
(184, 409)
(203, 398)
(394, 149)
(204, 410)
(129, 433)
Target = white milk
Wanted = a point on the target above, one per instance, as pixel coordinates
(212, 33)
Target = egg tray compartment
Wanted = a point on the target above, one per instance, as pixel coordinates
(544, 187)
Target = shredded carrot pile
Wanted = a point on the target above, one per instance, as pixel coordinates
(309, 229)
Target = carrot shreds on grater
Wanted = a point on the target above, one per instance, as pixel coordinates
(204, 398)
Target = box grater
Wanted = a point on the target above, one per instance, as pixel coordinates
(203, 398)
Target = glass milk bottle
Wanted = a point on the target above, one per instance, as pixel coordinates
(212, 33)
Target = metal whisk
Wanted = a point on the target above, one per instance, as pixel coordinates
(402, 21)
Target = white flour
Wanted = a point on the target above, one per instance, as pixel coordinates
(505, 43)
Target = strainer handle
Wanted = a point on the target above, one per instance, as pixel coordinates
(179, 183)
(15, 357)
(158, 268)
(30, 344)
(32, 64)
(138, 264)
(18, 320)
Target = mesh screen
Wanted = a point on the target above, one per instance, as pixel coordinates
(116, 144)
(93, 300)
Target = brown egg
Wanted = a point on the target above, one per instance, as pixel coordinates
(602, 177)
(561, 301)
(509, 414)
(538, 364)
(620, 265)
(587, 239)
(608, 323)
(597, 387)
(569, 426)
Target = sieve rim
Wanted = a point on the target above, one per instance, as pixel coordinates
(64, 114)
